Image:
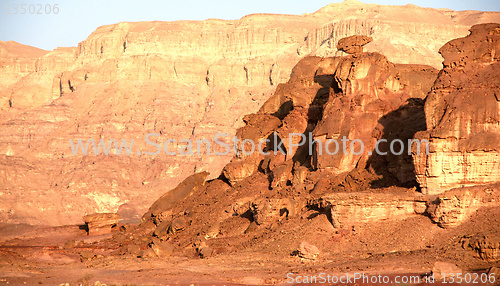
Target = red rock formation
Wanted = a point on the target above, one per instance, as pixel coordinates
(352, 96)
(130, 79)
(366, 90)
(463, 114)
(363, 90)
(456, 206)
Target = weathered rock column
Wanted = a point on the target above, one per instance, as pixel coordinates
(463, 115)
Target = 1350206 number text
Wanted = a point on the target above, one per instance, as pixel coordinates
(33, 9)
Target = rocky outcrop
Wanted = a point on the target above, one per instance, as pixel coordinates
(101, 223)
(487, 246)
(281, 180)
(366, 92)
(456, 206)
(353, 209)
(358, 97)
(462, 114)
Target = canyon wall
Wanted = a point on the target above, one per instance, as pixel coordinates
(180, 80)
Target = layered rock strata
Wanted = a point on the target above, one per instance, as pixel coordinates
(456, 206)
(182, 80)
(463, 115)
(355, 209)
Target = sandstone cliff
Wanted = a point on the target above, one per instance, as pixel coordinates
(463, 113)
(16, 61)
(183, 80)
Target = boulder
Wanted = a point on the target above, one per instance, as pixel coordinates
(100, 223)
(442, 270)
(456, 206)
(353, 44)
(308, 251)
(487, 246)
(161, 248)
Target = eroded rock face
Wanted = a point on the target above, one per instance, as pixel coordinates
(366, 92)
(362, 90)
(182, 80)
(265, 211)
(360, 97)
(463, 115)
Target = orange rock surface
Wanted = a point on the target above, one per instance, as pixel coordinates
(182, 80)
(463, 115)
